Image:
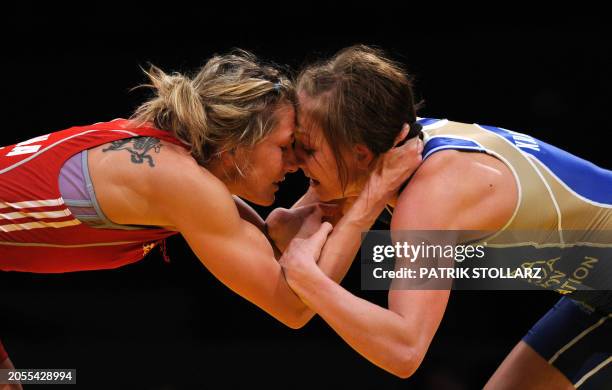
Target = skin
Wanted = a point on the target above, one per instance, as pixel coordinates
(319, 165)
(269, 161)
(484, 196)
(226, 236)
(136, 193)
(147, 181)
(536, 373)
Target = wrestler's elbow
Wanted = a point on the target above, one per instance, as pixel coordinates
(404, 367)
(404, 361)
(298, 318)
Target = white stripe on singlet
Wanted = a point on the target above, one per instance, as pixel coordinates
(32, 203)
(577, 338)
(592, 372)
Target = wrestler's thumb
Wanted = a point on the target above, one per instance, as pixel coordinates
(317, 240)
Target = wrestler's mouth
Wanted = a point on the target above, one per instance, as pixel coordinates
(276, 183)
(313, 182)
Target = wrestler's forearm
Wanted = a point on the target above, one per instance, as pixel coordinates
(380, 335)
(345, 240)
(248, 214)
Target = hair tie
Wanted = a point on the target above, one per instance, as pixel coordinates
(415, 130)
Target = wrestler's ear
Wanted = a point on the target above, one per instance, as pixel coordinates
(363, 156)
(228, 158)
(231, 157)
(231, 161)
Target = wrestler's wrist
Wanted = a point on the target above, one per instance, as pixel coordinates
(277, 251)
(380, 192)
(305, 280)
(367, 208)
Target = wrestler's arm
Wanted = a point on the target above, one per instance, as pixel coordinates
(199, 206)
(178, 194)
(248, 214)
(396, 339)
(253, 272)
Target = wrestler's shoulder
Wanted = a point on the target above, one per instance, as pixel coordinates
(137, 179)
(463, 168)
(453, 188)
(134, 159)
(146, 166)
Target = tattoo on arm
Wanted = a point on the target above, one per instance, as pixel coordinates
(138, 148)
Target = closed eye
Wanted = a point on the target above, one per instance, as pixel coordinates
(304, 148)
(290, 145)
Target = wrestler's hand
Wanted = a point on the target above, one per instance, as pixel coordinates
(301, 256)
(395, 166)
(285, 224)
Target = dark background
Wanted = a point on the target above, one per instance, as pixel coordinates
(164, 326)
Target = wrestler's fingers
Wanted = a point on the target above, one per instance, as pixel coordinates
(401, 137)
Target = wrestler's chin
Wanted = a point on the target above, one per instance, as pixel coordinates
(268, 202)
(266, 198)
(322, 194)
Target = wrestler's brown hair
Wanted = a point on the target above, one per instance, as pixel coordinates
(359, 96)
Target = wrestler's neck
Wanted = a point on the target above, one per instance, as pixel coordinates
(354, 189)
(359, 184)
(347, 203)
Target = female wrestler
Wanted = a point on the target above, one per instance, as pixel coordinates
(102, 196)
(347, 107)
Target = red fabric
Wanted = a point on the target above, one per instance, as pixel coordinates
(58, 242)
(3, 354)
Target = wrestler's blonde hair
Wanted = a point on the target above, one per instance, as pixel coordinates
(230, 102)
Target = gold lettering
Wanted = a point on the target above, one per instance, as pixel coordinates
(584, 274)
